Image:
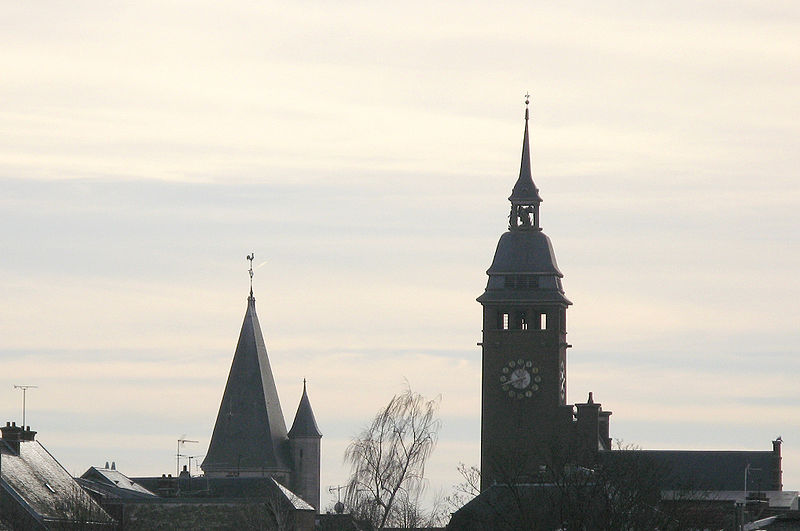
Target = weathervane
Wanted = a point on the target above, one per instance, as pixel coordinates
(250, 257)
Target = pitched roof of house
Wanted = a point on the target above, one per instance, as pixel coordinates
(114, 482)
(42, 487)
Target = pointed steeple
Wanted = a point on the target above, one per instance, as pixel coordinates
(525, 191)
(524, 266)
(304, 425)
(250, 432)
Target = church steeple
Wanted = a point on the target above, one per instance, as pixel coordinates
(525, 199)
(249, 435)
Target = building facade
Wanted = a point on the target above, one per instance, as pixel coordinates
(540, 454)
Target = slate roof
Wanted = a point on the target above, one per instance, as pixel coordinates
(304, 425)
(114, 483)
(42, 487)
(718, 470)
(250, 431)
(527, 253)
(297, 503)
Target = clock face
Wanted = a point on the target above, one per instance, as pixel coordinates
(520, 379)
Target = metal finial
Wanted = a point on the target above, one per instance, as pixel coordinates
(527, 101)
(250, 257)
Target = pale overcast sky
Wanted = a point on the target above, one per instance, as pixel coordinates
(365, 151)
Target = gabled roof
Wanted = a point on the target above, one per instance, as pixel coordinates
(115, 482)
(304, 425)
(250, 432)
(42, 487)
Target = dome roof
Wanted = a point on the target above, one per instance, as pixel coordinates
(524, 252)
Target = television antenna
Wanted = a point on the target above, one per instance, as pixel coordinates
(338, 506)
(189, 458)
(24, 391)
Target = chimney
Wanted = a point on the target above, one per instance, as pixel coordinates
(184, 479)
(587, 431)
(27, 434)
(12, 435)
(106, 465)
(605, 428)
(777, 464)
(113, 465)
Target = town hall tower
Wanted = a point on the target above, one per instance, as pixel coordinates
(524, 360)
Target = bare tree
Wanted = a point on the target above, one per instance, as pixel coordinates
(388, 459)
(466, 489)
(76, 510)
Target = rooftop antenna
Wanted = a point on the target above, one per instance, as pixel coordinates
(250, 257)
(178, 454)
(190, 457)
(338, 506)
(24, 391)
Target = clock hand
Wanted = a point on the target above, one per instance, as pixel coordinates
(513, 381)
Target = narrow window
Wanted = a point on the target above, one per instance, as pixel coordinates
(505, 321)
(523, 320)
(544, 321)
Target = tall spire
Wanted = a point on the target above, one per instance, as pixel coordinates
(250, 432)
(525, 197)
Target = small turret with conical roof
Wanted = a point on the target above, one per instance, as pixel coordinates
(304, 425)
(305, 447)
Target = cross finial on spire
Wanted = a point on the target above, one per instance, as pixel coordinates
(250, 257)
(527, 101)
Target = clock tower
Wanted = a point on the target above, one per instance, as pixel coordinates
(525, 421)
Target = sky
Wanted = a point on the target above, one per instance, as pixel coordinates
(364, 151)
